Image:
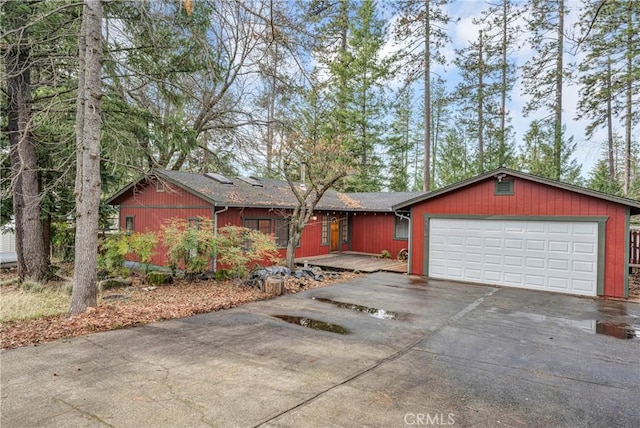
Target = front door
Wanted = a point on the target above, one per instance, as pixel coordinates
(335, 235)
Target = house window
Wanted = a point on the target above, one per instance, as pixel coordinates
(325, 230)
(401, 228)
(279, 227)
(262, 225)
(503, 187)
(345, 229)
(282, 232)
(159, 187)
(129, 224)
(194, 222)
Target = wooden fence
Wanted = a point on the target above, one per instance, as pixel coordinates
(634, 253)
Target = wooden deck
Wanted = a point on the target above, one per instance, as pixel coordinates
(353, 261)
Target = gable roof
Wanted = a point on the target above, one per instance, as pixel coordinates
(634, 205)
(263, 193)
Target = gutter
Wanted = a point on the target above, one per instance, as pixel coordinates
(215, 231)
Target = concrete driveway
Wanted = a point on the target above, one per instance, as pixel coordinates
(456, 354)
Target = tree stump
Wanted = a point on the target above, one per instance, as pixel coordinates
(274, 285)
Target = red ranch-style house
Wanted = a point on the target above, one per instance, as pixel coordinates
(503, 227)
(359, 222)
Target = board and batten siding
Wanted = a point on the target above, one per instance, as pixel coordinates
(530, 199)
(151, 209)
(373, 232)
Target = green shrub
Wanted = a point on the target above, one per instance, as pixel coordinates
(159, 278)
(385, 254)
(116, 247)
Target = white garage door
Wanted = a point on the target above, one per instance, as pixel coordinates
(541, 255)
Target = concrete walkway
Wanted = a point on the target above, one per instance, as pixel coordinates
(455, 354)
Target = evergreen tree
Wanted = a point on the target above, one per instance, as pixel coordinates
(600, 179)
(366, 109)
(544, 74)
(538, 154)
(399, 143)
(421, 29)
(609, 73)
(455, 162)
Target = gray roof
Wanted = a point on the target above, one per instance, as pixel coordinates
(634, 205)
(269, 194)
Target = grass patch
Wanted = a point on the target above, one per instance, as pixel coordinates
(33, 302)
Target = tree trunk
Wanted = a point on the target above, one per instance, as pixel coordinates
(30, 251)
(557, 136)
(626, 185)
(504, 66)
(88, 121)
(610, 142)
(427, 97)
(480, 105)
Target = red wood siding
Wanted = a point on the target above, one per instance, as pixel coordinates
(151, 209)
(530, 199)
(373, 232)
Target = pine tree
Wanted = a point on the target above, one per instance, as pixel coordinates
(455, 162)
(601, 181)
(609, 73)
(399, 143)
(544, 74)
(421, 29)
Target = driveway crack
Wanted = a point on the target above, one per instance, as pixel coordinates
(403, 351)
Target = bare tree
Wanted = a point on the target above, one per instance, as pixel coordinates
(324, 163)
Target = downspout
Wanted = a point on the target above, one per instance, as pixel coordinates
(215, 231)
(400, 215)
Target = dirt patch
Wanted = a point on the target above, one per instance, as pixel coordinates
(140, 304)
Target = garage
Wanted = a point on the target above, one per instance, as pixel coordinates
(560, 256)
(510, 228)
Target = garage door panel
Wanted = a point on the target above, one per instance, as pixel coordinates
(535, 263)
(514, 244)
(513, 261)
(535, 245)
(546, 255)
(558, 264)
(559, 247)
(558, 283)
(585, 267)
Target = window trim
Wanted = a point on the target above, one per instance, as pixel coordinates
(396, 223)
(498, 192)
(126, 224)
(272, 228)
(324, 232)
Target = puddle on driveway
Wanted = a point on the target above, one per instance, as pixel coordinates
(374, 312)
(607, 328)
(619, 330)
(314, 324)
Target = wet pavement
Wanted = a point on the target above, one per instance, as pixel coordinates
(452, 354)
